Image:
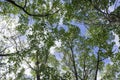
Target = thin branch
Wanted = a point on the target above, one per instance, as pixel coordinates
(30, 14)
(11, 54)
(3, 50)
(15, 43)
(1, 55)
(106, 14)
(4, 75)
(80, 77)
(107, 56)
(29, 65)
(25, 4)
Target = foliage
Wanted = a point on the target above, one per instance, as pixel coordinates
(44, 40)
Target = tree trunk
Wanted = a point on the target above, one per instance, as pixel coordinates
(38, 77)
(97, 66)
(73, 60)
(37, 66)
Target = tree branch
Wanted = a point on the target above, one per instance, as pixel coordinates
(25, 4)
(30, 14)
(110, 55)
(29, 65)
(106, 14)
(3, 50)
(1, 55)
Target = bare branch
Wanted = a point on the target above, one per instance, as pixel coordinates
(3, 50)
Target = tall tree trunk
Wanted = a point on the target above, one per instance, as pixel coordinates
(37, 66)
(84, 66)
(73, 60)
(96, 72)
(38, 76)
(97, 65)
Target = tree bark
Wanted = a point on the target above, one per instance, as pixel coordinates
(97, 65)
(73, 60)
(37, 66)
(38, 76)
